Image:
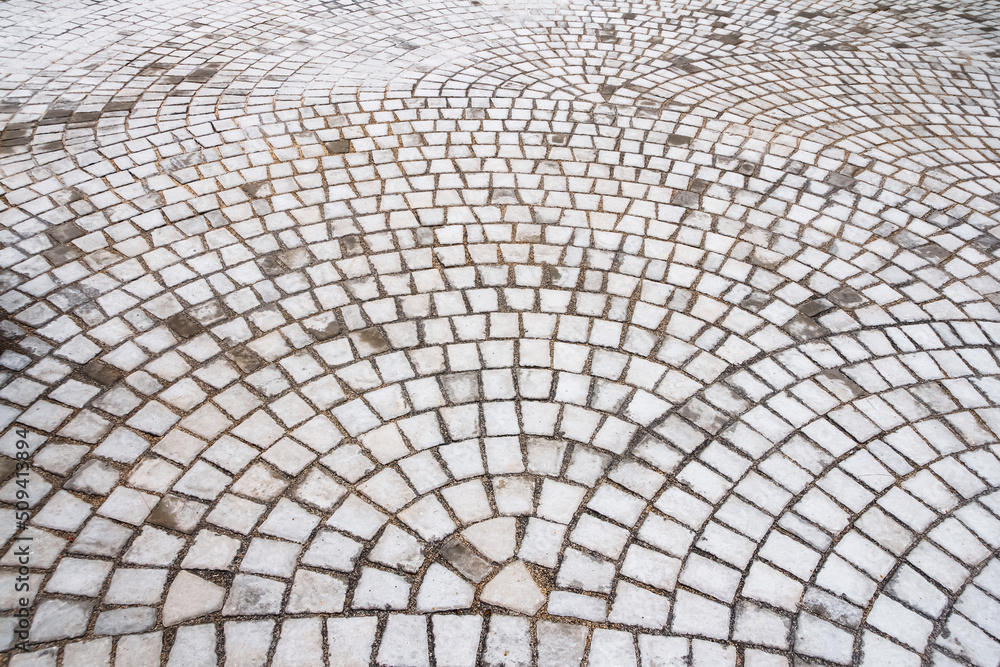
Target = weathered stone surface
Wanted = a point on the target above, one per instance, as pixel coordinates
(514, 588)
(663, 334)
(189, 597)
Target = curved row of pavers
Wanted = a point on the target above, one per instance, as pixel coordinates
(650, 77)
(702, 342)
(470, 640)
(894, 96)
(975, 96)
(224, 249)
(638, 210)
(867, 559)
(194, 290)
(401, 70)
(604, 398)
(943, 180)
(685, 343)
(379, 35)
(847, 530)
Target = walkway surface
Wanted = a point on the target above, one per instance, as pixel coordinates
(488, 332)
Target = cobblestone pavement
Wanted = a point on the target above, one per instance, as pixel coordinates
(485, 332)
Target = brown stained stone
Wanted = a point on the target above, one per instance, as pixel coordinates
(839, 180)
(62, 254)
(184, 325)
(122, 105)
(352, 245)
(845, 388)
(932, 252)
(805, 328)
(372, 339)
(177, 513)
(338, 147)
(296, 258)
(7, 468)
(323, 330)
(66, 232)
(270, 266)
(255, 189)
(815, 307)
(102, 373)
(245, 358)
(846, 297)
(755, 302)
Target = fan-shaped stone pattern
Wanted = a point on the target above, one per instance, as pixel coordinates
(471, 333)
